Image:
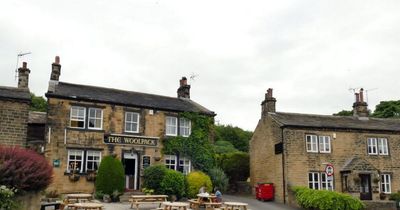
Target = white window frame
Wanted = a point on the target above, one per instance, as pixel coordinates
(77, 153)
(386, 184)
(383, 148)
(324, 144)
(185, 127)
(314, 182)
(372, 146)
(77, 117)
(168, 159)
(94, 154)
(312, 143)
(170, 128)
(325, 183)
(132, 122)
(95, 118)
(186, 163)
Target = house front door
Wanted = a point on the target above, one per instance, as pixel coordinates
(130, 165)
(365, 187)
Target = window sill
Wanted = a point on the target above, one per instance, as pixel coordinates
(85, 130)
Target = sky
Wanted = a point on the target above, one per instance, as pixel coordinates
(314, 54)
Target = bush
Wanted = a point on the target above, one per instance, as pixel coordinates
(395, 196)
(326, 200)
(24, 170)
(219, 179)
(235, 165)
(7, 198)
(110, 176)
(173, 183)
(195, 181)
(153, 176)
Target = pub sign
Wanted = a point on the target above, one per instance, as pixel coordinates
(131, 140)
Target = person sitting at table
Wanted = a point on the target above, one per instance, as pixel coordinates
(218, 195)
(203, 189)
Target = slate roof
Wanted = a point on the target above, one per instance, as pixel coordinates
(335, 122)
(37, 118)
(358, 164)
(125, 98)
(12, 93)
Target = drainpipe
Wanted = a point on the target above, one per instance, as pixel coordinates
(283, 166)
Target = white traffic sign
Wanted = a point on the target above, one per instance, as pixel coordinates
(329, 170)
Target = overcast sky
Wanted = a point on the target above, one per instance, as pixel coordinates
(310, 52)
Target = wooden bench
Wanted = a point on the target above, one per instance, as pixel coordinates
(147, 199)
(194, 204)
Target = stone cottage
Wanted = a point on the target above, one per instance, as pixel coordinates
(14, 110)
(358, 154)
(86, 123)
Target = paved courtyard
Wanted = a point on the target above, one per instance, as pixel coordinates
(253, 204)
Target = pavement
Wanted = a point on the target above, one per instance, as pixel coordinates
(253, 204)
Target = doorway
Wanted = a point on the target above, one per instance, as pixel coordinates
(130, 166)
(365, 187)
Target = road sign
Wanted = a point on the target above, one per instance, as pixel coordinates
(329, 169)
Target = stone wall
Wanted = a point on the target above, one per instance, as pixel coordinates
(13, 122)
(62, 137)
(265, 165)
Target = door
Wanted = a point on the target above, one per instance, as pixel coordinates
(130, 166)
(365, 187)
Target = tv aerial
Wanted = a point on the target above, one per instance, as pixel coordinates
(21, 54)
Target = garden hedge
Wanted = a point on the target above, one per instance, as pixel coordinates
(110, 176)
(326, 200)
(195, 180)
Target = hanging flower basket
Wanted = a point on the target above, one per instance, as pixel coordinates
(91, 177)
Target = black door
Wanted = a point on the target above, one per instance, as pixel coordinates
(130, 165)
(365, 187)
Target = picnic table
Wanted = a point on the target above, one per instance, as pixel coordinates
(235, 205)
(175, 205)
(204, 199)
(143, 199)
(78, 197)
(86, 206)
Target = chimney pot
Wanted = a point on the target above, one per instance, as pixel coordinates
(184, 88)
(357, 97)
(57, 60)
(23, 76)
(24, 65)
(361, 95)
(269, 92)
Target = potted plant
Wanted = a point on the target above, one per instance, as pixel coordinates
(382, 196)
(376, 179)
(74, 176)
(115, 196)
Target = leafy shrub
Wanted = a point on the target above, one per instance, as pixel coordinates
(219, 179)
(395, 196)
(235, 165)
(195, 181)
(326, 200)
(110, 176)
(153, 176)
(7, 198)
(173, 183)
(24, 170)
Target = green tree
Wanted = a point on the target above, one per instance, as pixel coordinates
(221, 147)
(236, 165)
(387, 109)
(344, 113)
(110, 176)
(238, 137)
(38, 104)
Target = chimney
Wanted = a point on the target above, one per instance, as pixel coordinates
(360, 107)
(55, 74)
(23, 76)
(184, 88)
(55, 69)
(268, 105)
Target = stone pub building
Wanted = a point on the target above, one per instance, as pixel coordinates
(291, 149)
(86, 123)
